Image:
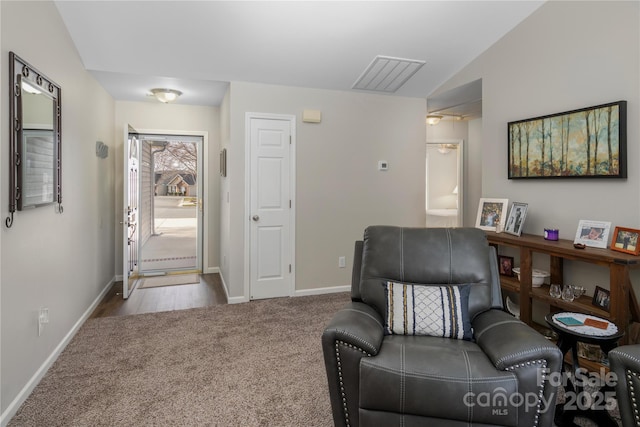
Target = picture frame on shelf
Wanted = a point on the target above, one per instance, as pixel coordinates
(515, 220)
(505, 265)
(625, 240)
(601, 298)
(593, 233)
(492, 213)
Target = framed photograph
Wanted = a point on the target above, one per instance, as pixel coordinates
(491, 213)
(505, 265)
(515, 220)
(601, 298)
(593, 233)
(625, 240)
(586, 143)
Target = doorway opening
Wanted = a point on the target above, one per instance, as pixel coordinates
(170, 204)
(444, 189)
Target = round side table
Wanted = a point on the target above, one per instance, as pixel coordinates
(568, 338)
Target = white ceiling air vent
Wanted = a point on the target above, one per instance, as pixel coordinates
(387, 74)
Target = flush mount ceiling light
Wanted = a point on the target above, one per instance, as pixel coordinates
(433, 120)
(387, 74)
(165, 95)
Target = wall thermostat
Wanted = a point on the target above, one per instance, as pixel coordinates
(383, 165)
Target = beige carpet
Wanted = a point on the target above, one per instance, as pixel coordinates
(169, 280)
(252, 364)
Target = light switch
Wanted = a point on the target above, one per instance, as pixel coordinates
(383, 165)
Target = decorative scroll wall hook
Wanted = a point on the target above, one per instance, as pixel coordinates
(9, 221)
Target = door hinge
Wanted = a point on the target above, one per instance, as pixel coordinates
(289, 139)
(289, 268)
(289, 204)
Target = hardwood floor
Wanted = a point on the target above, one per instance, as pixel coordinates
(166, 298)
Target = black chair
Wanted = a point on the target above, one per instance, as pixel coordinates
(625, 363)
(487, 368)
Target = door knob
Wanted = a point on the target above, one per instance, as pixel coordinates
(256, 218)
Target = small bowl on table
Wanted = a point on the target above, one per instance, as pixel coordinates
(537, 276)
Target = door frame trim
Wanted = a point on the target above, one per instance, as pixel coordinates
(247, 198)
(204, 164)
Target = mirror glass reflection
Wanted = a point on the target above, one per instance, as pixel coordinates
(37, 150)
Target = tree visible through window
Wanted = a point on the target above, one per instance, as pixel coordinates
(177, 156)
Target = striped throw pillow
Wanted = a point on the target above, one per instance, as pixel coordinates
(439, 311)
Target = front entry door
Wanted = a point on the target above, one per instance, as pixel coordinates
(271, 211)
(130, 265)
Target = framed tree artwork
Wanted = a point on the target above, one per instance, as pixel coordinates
(586, 143)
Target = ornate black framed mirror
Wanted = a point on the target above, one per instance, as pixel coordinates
(35, 167)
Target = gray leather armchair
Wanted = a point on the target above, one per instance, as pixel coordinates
(625, 363)
(497, 378)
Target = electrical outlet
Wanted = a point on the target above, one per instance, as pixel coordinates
(43, 319)
(342, 262)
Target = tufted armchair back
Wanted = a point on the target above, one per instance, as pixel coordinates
(428, 256)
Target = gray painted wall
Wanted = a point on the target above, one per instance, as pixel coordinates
(566, 55)
(339, 189)
(59, 261)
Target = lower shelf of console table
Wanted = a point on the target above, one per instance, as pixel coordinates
(623, 306)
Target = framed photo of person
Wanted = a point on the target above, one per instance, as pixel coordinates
(491, 213)
(601, 298)
(625, 240)
(505, 265)
(593, 233)
(515, 220)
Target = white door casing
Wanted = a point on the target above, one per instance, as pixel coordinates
(270, 218)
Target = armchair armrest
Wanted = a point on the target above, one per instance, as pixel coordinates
(626, 357)
(509, 342)
(355, 332)
(513, 346)
(625, 363)
(358, 325)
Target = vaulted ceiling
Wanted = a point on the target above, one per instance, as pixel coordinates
(198, 47)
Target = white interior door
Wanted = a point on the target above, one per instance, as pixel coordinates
(271, 189)
(130, 229)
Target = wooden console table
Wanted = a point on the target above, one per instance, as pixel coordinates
(623, 305)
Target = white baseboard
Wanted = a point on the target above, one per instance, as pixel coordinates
(231, 300)
(320, 291)
(210, 270)
(37, 377)
(119, 277)
(297, 293)
(224, 286)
